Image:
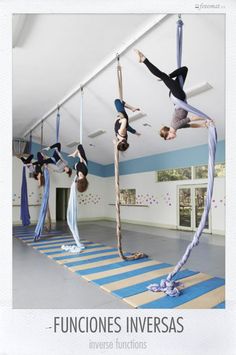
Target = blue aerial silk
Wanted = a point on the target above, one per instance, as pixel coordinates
(169, 285)
(44, 206)
(72, 220)
(57, 126)
(24, 206)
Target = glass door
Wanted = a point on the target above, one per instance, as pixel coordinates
(200, 200)
(185, 208)
(191, 203)
(62, 198)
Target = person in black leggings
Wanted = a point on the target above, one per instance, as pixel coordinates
(172, 81)
(57, 159)
(81, 168)
(35, 168)
(122, 124)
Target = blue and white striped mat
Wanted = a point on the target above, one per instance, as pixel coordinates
(128, 280)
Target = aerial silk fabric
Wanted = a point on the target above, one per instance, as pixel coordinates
(44, 206)
(72, 220)
(57, 126)
(24, 206)
(169, 286)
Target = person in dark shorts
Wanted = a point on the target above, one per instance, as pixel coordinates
(122, 124)
(57, 159)
(81, 168)
(35, 168)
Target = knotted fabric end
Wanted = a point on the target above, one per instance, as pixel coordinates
(169, 287)
(73, 248)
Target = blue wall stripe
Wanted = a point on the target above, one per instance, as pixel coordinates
(175, 159)
(109, 267)
(85, 254)
(126, 275)
(187, 294)
(220, 305)
(180, 158)
(142, 286)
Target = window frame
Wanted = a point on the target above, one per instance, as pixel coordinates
(193, 172)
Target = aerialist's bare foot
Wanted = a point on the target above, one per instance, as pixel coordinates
(73, 154)
(141, 56)
(209, 122)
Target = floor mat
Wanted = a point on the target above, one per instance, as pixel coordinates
(128, 280)
(20, 231)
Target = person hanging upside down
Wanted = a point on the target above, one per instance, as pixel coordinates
(180, 117)
(81, 168)
(122, 124)
(35, 168)
(57, 159)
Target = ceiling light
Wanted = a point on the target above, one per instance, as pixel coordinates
(137, 116)
(96, 133)
(72, 144)
(198, 89)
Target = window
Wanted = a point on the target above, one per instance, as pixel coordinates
(128, 196)
(220, 170)
(201, 172)
(174, 174)
(189, 173)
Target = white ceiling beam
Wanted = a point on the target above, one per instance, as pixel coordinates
(18, 23)
(145, 30)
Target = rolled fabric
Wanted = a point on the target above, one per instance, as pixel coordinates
(24, 205)
(44, 206)
(72, 220)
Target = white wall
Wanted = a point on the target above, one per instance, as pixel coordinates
(91, 204)
(161, 199)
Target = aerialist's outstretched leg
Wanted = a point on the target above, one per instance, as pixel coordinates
(173, 85)
(27, 160)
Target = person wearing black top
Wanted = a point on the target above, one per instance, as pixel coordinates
(81, 168)
(57, 159)
(122, 124)
(35, 168)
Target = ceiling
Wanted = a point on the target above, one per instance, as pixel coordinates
(55, 53)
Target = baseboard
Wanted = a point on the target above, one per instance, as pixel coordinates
(92, 219)
(218, 232)
(128, 221)
(143, 223)
(157, 225)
